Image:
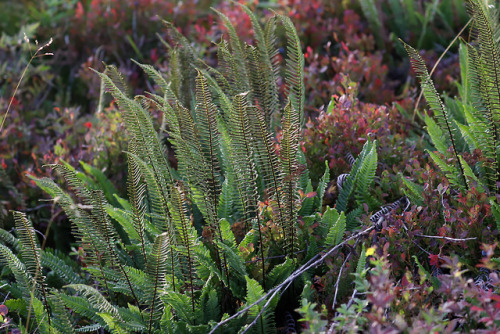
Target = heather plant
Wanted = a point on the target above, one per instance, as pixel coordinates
(340, 131)
(459, 303)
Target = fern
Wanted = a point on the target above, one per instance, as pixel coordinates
(170, 257)
(265, 323)
(440, 112)
(157, 269)
(335, 224)
(361, 176)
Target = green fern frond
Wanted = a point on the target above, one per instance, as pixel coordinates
(448, 170)
(323, 183)
(436, 105)
(265, 323)
(140, 126)
(61, 317)
(367, 176)
(186, 238)
(209, 140)
(484, 74)
(42, 316)
(351, 182)
(242, 157)
(10, 240)
(472, 180)
(482, 126)
(267, 162)
(280, 272)
(94, 228)
(294, 77)
(156, 76)
(23, 278)
(336, 224)
(157, 268)
(235, 55)
(291, 171)
(413, 191)
(136, 193)
(267, 51)
(436, 134)
(360, 267)
(59, 264)
(157, 196)
(181, 304)
(31, 255)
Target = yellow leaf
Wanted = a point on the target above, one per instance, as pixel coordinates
(370, 251)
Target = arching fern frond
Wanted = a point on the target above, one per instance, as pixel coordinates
(437, 106)
(294, 77)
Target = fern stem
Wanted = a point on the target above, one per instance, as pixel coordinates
(261, 241)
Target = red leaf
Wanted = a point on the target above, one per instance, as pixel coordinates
(434, 259)
(476, 308)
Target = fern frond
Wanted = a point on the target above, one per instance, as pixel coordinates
(436, 134)
(367, 175)
(267, 51)
(291, 171)
(140, 126)
(8, 239)
(93, 300)
(31, 255)
(242, 157)
(209, 140)
(137, 193)
(157, 268)
(235, 55)
(156, 76)
(294, 77)
(61, 318)
(449, 171)
(485, 91)
(186, 237)
(259, 81)
(84, 230)
(181, 304)
(94, 228)
(360, 267)
(336, 224)
(265, 323)
(267, 162)
(24, 280)
(230, 67)
(59, 264)
(280, 272)
(323, 183)
(436, 104)
(348, 186)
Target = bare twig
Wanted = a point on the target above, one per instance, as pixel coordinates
(340, 275)
(444, 238)
(313, 262)
(351, 301)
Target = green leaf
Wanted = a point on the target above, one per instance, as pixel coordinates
(337, 225)
(436, 134)
(323, 183)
